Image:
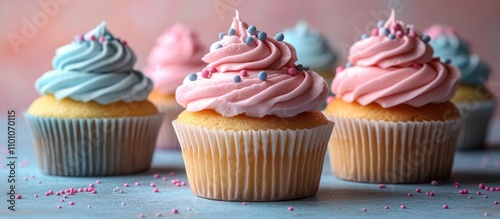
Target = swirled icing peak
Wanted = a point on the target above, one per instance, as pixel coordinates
(394, 66)
(253, 74)
(177, 53)
(95, 67)
(447, 44)
(312, 48)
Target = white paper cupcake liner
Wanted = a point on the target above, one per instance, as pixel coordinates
(392, 152)
(166, 136)
(94, 147)
(477, 116)
(254, 165)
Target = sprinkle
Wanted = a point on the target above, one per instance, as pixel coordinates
(306, 68)
(123, 203)
(164, 178)
(410, 195)
(62, 200)
(19, 196)
(90, 185)
(175, 211)
(252, 29)
(280, 37)
(101, 39)
(364, 36)
(126, 185)
(396, 26)
(470, 197)
(386, 207)
(65, 196)
(434, 182)
(191, 77)
(391, 36)
(249, 41)
(363, 209)
(78, 38)
(98, 181)
(243, 73)
(292, 71)
(71, 203)
(485, 196)
(445, 206)
(38, 182)
(91, 37)
(152, 184)
(32, 176)
(402, 206)
(384, 31)
(236, 78)
(142, 215)
(47, 194)
(417, 190)
(399, 34)
(412, 34)
(262, 75)
(59, 206)
(339, 69)
(495, 202)
(36, 196)
(262, 36)
(218, 46)
(381, 186)
(486, 214)
(221, 35)
(348, 64)
(375, 32)
(487, 188)
(94, 191)
(479, 193)
(172, 173)
(189, 209)
(58, 193)
(299, 67)
(231, 31)
(158, 214)
(447, 61)
(329, 99)
(137, 183)
(380, 23)
(178, 184)
(290, 208)
(25, 179)
(244, 203)
(431, 193)
(80, 190)
(156, 190)
(121, 191)
(426, 38)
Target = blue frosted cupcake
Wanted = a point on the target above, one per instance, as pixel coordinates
(475, 101)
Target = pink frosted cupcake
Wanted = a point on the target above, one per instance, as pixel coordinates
(177, 53)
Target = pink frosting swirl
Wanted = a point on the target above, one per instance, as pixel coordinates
(395, 71)
(229, 92)
(177, 53)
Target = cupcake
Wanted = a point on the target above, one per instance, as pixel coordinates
(395, 121)
(475, 101)
(312, 49)
(93, 118)
(177, 53)
(251, 130)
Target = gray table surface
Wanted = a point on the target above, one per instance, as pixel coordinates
(335, 198)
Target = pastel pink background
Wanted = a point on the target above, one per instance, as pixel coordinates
(140, 22)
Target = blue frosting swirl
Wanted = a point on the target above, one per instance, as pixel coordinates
(312, 48)
(474, 71)
(99, 70)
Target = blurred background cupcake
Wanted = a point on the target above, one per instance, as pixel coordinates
(93, 118)
(312, 49)
(475, 101)
(177, 53)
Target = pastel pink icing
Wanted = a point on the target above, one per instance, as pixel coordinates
(280, 94)
(393, 72)
(177, 53)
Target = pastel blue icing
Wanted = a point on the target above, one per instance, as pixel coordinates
(474, 71)
(93, 71)
(312, 48)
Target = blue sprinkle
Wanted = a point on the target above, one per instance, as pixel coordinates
(236, 78)
(299, 67)
(231, 32)
(252, 29)
(380, 23)
(221, 35)
(426, 38)
(249, 40)
(447, 61)
(348, 64)
(385, 31)
(262, 75)
(306, 68)
(262, 36)
(218, 46)
(364, 36)
(192, 77)
(391, 36)
(280, 37)
(108, 37)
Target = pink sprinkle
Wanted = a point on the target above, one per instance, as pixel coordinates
(58, 193)
(211, 70)
(375, 32)
(137, 183)
(101, 39)
(415, 65)
(244, 203)
(427, 193)
(80, 190)
(183, 183)
(396, 26)
(94, 191)
(36, 196)
(402, 206)
(243, 73)
(175, 211)
(363, 209)
(79, 37)
(470, 197)
(158, 214)
(65, 196)
(47, 194)
(466, 191)
(62, 200)
(126, 185)
(142, 215)
(485, 196)
(487, 188)
(124, 42)
(434, 183)
(481, 185)
(399, 34)
(59, 206)
(339, 69)
(381, 186)
(292, 71)
(25, 179)
(410, 195)
(412, 34)
(417, 190)
(431, 193)
(121, 191)
(152, 184)
(91, 185)
(155, 190)
(479, 193)
(492, 189)
(290, 208)
(156, 175)
(51, 192)
(204, 74)
(19, 196)
(329, 99)
(68, 191)
(98, 181)
(457, 186)
(445, 206)
(91, 37)
(386, 207)
(173, 181)
(62, 192)
(90, 189)
(495, 202)
(164, 178)
(71, 203)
